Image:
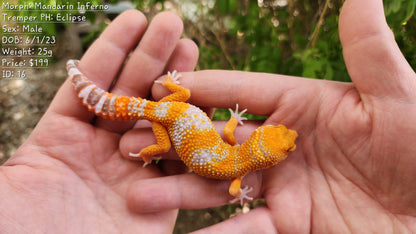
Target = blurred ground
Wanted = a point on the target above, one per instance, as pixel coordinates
(22, 103)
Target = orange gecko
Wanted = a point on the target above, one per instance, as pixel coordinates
(191, 132)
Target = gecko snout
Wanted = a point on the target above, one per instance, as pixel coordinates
(277, 141)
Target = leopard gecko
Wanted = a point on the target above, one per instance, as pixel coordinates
(191, 132)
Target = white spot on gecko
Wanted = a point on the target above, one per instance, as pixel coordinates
(161, 110)
(208, 155)
(192, 119)
(203, 156)
(137, 107)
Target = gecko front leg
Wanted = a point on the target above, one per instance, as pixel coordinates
(239, 194)
(229, 128)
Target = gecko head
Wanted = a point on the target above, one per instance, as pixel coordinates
(271, 144)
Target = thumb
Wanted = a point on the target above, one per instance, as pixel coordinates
(373, 59)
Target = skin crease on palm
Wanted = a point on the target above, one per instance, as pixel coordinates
(354, 168)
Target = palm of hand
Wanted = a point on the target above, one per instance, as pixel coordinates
(85, 188)
(350, 169)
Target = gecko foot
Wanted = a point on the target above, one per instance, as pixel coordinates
(145, 162)
(237, 115)
(174, 77)
(243, 195)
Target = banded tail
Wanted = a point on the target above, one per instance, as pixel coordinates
(103, 103)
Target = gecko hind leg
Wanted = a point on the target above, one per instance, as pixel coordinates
(163, 145)
(179, 93)
(229, 128)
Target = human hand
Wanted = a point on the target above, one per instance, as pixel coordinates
(69, 175)
(354, 168)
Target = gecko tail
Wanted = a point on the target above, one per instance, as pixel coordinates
(103, 103)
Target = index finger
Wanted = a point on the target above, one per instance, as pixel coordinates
(111, 50)
(260, 93)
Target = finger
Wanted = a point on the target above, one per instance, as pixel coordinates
(374, 61)
(140, 137)
(184, 57)
(146, 63)
(102, 61)
(187, 191)
(258, 220)
(289, 99)
(187, 52)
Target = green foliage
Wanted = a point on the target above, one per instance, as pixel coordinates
(298, 38)
(400, 16)
(227, 6)
(399, 11)
(144, 5)
(224, 114)
(272, 39)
